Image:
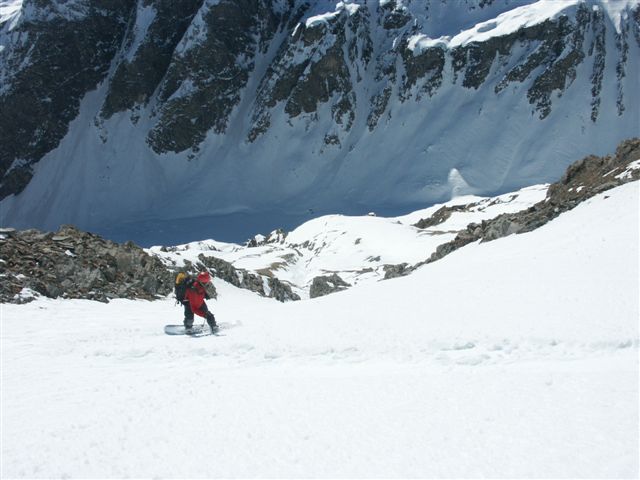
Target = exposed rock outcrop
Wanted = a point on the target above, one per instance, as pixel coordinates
(209, 70)
(276, 237)
(265, 286)
(582, 180)
(281, 291)
(326, 284)
(75, 264)
(393, 271)
(139, 74)
(48, 64)
(440, 216)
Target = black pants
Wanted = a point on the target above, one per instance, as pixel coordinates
(188, 315)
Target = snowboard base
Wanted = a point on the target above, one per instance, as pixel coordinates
(195, 331)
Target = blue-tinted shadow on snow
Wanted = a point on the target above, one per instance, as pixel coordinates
(234, 227)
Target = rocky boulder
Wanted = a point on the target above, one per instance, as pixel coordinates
(326, 284)
(441, 215)
(281, 291)
(393, 271)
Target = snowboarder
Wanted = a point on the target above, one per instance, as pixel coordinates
(194, 302)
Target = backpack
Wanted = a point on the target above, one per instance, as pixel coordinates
(183, 281)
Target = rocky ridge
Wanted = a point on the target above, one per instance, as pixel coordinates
(265, 285)
(583, 179)
(75, 264)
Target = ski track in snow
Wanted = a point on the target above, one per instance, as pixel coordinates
(143, 341)
(514, 358)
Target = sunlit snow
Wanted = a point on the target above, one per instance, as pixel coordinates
(513, 358)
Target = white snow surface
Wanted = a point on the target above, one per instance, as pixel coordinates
(9, 15)
(354, 247)
(617, 10)
(327, 16)
(629, 170)
(514, 358)
(517, 18)
(9, 8)
(536, 13)
(513, 20)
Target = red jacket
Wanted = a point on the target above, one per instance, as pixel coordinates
(195, 295)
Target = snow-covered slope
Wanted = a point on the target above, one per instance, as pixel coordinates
(357, 248)
(514, 358)
(189, 122)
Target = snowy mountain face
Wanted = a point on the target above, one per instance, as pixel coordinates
(139, 113)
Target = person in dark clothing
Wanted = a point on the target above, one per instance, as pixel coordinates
(194, 302)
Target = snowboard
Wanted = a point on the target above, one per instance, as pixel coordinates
(195, 331)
